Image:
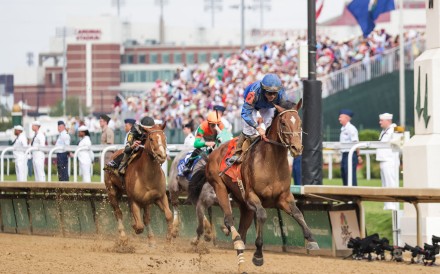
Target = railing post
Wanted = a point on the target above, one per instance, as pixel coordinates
(49, 162)
(368, 158)
(350, 161)
(2, 162)
(112, 147)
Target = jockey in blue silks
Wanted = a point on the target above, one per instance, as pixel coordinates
(261, 97)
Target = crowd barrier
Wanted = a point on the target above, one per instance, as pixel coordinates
(81, 209)
(331, 149)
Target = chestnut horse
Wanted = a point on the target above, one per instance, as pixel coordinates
(266, 182)
(145, 184)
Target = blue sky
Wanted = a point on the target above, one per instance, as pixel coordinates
(27, 25)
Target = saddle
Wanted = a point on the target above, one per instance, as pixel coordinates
(114, 164)
(234, 171)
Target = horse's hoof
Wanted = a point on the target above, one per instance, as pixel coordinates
(207, 238)
(195, 242)
(312, 246)
(258, 261)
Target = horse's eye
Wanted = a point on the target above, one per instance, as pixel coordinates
(151, 139)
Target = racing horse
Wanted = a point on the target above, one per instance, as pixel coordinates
(178, 184)
(144, 184)
(264, 183)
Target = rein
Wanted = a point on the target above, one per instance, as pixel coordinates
(150, 151)
(280, 132)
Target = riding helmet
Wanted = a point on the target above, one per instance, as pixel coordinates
(213, 118)
(271, 83)
(147, 121)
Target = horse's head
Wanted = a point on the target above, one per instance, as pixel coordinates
(156, 142)
(289, 128)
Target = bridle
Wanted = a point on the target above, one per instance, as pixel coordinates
(150, 150)
(280, 133)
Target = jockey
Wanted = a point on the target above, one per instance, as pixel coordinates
(260, 96)
(206, 136)
(134, 140)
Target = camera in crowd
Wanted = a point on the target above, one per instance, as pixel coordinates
(363, 249)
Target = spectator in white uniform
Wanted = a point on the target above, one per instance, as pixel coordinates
(85, 156)
(20, 144)
(189, 139)
(389, 157)
(39, 141)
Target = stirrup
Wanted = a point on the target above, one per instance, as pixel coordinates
(232, 160)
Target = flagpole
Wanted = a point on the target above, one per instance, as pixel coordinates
(401, 67)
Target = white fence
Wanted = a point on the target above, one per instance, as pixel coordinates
(330, 150)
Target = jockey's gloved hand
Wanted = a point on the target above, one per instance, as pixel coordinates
(261, 131)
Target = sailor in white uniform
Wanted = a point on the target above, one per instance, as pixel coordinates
(20, 144)
(389, 157)
(39, 141)
(85, 156)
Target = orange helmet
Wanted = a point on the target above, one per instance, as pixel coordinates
(213, 118)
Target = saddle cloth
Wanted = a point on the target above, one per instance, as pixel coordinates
(182, 163)
(234, 171)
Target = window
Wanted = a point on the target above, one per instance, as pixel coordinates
(165, 58)
(130, 59)
(177, 58)
(153, 58)
(214, 55)
(202, 58)
(190, 58)
(141, 59)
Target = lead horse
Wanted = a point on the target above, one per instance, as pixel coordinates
(145, 184)
(266, 182)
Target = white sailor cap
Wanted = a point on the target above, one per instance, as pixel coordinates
(36, 123)
(386, 116)
(83, 128)
(18, 127)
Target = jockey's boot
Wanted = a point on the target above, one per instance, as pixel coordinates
(123, 164)
(238, 150)
(191, 159)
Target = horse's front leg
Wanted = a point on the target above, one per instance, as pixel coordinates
(175, 191)
(225, 204)
(287, 203)
(138, 226)
(200, 212)
(162, 203)
(255, 204)
(147, 220)
(113, 197)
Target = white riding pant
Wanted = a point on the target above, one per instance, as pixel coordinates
(267, 115)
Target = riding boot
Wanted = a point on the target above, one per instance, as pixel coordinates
(123, 164)
(192, 157)
(238, 150)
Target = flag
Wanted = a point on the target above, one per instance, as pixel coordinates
(381, 6)
(319, 6)
(359, 9)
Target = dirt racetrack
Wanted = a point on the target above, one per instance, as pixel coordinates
(39, 254)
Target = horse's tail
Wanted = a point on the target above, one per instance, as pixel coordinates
(198, 179)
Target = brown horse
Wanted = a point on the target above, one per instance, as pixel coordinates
(145, 184)
(266, 182)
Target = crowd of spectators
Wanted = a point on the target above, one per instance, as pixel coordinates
(196, 89)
